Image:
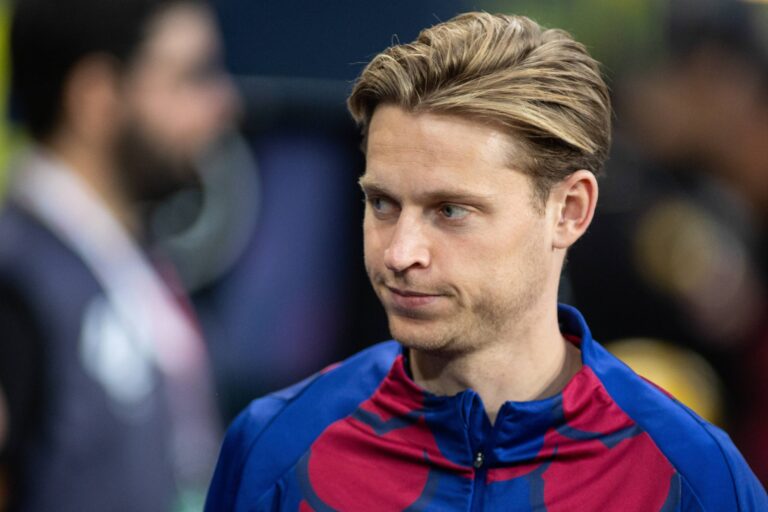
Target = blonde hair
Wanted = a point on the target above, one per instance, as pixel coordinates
(541, 86)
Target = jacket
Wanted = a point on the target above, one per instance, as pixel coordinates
(363, 436)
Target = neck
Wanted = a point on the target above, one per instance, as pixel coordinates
(532, 363)
(96, 169)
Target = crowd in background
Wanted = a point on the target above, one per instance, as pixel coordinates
(673, 273)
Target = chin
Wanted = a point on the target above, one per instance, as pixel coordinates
(427, 336)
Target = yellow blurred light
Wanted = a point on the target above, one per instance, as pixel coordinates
(674, 246)
(681, 372)
(5, 130)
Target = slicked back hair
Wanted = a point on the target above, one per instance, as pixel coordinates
(540, 86)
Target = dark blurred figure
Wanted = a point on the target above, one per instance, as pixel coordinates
(684, 222)
(106, 400)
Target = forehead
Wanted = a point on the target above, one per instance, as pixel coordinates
(425, 149)
(178, 33)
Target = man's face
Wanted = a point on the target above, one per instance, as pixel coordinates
(454, 247)
(176, 102)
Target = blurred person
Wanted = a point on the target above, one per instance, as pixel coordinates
(106, 402)
(483, 140)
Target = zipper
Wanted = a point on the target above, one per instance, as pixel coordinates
(479, 460)
(478, 483)
(485, 439)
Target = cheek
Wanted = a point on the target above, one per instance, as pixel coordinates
(372, 243)
(182, 119)
(496, 256)
(201, 112)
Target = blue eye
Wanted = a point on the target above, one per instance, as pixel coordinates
(381, 205)
(451, 211)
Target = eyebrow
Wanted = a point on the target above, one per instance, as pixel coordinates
(371, 187)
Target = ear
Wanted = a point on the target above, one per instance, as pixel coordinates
(90, 98)
(573, 203)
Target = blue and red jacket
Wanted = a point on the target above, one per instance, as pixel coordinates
(363, 436)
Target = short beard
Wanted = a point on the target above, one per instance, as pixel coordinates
(147, 172)
(491, 318)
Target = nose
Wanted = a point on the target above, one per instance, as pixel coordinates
(408, 247)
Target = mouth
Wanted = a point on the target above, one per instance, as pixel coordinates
(411, 299)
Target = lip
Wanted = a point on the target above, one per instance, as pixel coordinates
(409, 299)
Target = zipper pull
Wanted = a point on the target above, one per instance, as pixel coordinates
(479, 460)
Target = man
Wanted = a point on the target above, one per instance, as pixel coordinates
(483, 138)
(106, 402)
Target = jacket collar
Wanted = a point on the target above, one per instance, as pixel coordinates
(460, 425)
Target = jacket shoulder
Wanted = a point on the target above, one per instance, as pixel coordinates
(709, 465)
(28, 248)
(273, 432)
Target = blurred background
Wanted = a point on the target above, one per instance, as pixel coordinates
(672, 276)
